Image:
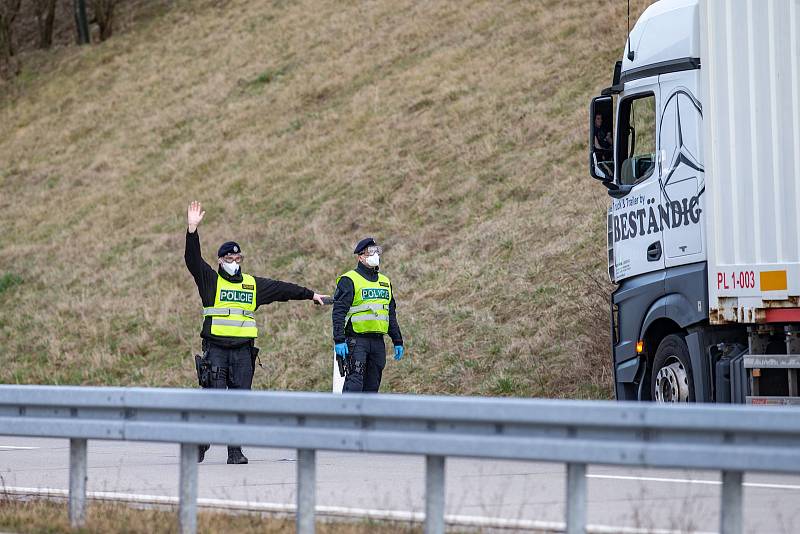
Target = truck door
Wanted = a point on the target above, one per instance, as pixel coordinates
(634, 219)
(681, 168)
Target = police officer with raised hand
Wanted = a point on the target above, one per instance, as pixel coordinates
(363, 312)
(230, 299)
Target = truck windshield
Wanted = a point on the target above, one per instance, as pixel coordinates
(637, 138)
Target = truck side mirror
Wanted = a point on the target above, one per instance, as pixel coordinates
(601, 139)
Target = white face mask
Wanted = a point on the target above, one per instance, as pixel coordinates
(231, 268)
(373, 261)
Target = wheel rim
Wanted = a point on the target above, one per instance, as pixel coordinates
(672, 382)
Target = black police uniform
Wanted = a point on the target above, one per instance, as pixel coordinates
(232, 358)
(367, 352)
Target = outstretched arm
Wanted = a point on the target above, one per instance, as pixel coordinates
(269, 290)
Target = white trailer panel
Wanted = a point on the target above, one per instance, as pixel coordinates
(750, 71)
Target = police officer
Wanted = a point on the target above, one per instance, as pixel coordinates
(230, 299)
(363, 312)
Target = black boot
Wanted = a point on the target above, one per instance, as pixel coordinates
(235, 456)
(201, 452)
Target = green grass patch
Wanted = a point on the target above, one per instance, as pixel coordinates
(8, 281)
(269, 76)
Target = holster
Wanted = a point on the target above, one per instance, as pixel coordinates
(253, 355)
(203, 366)
(355, 367)
(349, 366)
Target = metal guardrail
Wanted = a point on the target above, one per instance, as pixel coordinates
(732, 439)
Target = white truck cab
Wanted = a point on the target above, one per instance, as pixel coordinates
(698, 142)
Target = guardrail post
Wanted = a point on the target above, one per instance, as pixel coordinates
(187, 509)
(730, 521)
(77, 482)
(434, 494)
(576, 498)
(306, 490)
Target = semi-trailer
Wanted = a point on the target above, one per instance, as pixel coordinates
(697, 140)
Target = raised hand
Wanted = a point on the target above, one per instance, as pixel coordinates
(194, 215)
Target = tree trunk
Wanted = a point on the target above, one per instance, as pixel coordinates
(8, 12)
(45, 16)
(104, 15)
(81, 22)
(6, 51)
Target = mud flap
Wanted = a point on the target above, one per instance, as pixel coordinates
(701, 374)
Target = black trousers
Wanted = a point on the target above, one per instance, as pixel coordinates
(365, 364)
(230, 369)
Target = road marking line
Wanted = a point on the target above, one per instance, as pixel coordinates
(697, 481)
(15, 448)
(340, 511)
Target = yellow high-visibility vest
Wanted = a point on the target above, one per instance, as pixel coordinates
(369, 312)
(233, 313)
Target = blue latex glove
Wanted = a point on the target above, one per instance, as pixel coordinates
(398, 352)
(341, 349)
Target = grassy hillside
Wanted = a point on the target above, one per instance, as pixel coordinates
(454, 132)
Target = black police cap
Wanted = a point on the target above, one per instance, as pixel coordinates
(229, 247)
(364, 243)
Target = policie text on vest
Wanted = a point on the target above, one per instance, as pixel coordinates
(233, 295)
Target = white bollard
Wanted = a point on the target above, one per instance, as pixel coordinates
(338, 380)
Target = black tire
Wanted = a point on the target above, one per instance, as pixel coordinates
(672, 356)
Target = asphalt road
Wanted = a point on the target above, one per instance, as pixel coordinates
(648, 499)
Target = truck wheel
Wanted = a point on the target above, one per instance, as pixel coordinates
(672, 371)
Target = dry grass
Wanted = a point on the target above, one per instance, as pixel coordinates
(41, 516)
(454, 132)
